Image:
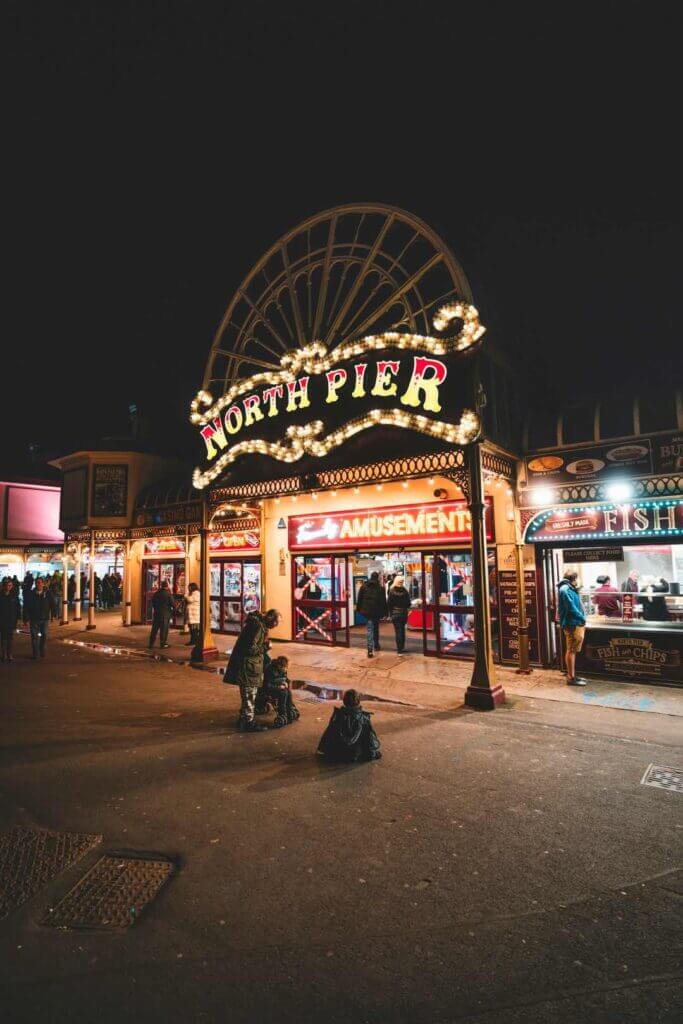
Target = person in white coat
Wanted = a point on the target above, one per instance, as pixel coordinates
(193, 615)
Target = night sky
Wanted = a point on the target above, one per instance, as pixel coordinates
(152, 154)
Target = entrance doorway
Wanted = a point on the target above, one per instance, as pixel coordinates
(441, 618)
(235, 591)
(154, 574)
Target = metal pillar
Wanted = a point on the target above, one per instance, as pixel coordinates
(524, 667)
(208, 649)
(77, 578)
(91, 585)
(127, 586)
(483, 692)
(186, 628)
(65, 591)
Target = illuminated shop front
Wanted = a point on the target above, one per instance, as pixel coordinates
(429, 544)
(629, 560)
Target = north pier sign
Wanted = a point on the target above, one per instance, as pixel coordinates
(320, 399)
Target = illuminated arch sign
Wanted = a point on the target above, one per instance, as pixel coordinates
(657, 517)
(320, 399)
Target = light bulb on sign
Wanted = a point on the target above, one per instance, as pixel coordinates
(619, 491)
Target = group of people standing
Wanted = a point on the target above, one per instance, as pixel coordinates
(33, 602)
(375, 604)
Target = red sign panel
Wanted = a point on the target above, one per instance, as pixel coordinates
(415, 526)
(164, 546)
(239, 542)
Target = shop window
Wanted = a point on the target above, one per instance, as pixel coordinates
(657, 412)
(616, 417)
(578, 423)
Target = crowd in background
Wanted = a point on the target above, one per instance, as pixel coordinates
(108, 590)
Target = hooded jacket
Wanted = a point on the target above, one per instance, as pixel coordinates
(570, 609)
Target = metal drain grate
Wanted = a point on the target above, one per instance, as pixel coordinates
(32, 857)
(663, 777)
(113, 893)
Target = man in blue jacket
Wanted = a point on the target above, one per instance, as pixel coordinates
(573, 623)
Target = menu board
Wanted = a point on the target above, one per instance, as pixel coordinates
(627, 458)
(509, 615)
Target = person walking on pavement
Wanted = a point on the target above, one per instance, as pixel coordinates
(9, 612)
(192, 610)
(26, 588)
(246, 665)
(398, 604)
(162, 612)
(573, 623)
(38, 617)
(372, 603)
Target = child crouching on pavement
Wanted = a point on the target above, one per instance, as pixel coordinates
(349, 735)
(276, 690)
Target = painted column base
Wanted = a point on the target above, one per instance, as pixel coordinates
(90, 627)
(484, 698)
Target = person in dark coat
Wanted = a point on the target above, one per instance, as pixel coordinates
(372, 603)
(162, 612)
(26, 588)
(71, 589)
(38, 617)
(630, 584)
(55, 597)
(398, 604)
(349, 735)
(9, 613)
(654, 603)
(276, 692)
(246, 665)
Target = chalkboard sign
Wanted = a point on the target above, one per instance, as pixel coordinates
(509, 615)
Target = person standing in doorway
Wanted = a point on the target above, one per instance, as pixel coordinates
(573, 623)
(372, 603)
(9, 612)
(192, 610)
(162, 612)
(38, 617)
(398, 604)
(246, 665)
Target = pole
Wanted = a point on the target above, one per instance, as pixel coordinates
(262, 546)
(128, 586)
(522, 618)
(65, 591)
(187, 576)
(483, 692)
(208, 648)
(91, 584)
(77, 580)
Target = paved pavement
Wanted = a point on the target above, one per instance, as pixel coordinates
(427, 682)
(492, 868)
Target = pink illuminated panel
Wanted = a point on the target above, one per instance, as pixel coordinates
(33, 514)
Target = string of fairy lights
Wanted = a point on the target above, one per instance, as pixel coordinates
(315, 359)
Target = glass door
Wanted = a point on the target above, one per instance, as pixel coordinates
(320, 599)
(448, 609)
(235, 591)
(173, 573)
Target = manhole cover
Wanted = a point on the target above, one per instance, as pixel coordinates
(113, 893)
(664, 777)
(30, 858)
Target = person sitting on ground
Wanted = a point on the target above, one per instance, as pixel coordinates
(349, 735)
(276, 691)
